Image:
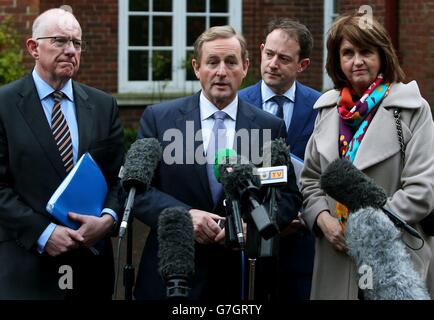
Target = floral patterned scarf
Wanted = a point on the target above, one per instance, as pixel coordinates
(355, 118)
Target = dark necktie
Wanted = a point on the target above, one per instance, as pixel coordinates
(279, 100)
(60, 131)
(217, 141)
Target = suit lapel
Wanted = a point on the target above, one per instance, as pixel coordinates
(191, 114)
(33, 113)
(85, 119)
(257, 95)
(300, 116)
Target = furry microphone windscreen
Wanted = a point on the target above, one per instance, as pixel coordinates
(375, 245)
(237, 174)
(175, 243)
(276, 152)
(140, 163)
(345, 183)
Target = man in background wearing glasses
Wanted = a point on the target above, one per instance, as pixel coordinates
(47, 121)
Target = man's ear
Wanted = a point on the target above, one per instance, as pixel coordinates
(195, 66)
(246, 64)
(303, 64)
(32, 48)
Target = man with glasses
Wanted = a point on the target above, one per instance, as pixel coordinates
(47, 122)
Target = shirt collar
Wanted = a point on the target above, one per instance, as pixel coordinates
(207, 109)
(44, 89)
(267, 93)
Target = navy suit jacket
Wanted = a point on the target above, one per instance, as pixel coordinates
(297, 250)
(303, 117)
(217, 268)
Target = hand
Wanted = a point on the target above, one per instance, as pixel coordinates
(292, 228)
(62, 240)
(93, 228)
(205, 226)
(332, 230)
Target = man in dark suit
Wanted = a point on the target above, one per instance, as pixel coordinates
(284, 55)
(42, 135)
(220, 63)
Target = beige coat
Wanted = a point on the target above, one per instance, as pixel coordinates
(410, 193)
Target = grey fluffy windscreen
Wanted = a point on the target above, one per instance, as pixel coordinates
(235, 175)
(345, 183)
(141, 162)
(175, 243)
(377, 249)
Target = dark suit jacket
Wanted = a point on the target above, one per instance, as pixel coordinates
(297, 251)
(217, 269)
(303, 117)
(30, 171)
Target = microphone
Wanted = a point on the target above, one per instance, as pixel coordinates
(273, 174)
(385, 266)
(240, 182)
(138, 170)
(229, 156)
(340, 174)
(176, 250)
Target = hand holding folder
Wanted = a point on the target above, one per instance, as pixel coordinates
(83, 191)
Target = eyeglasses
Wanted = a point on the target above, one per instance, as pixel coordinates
(62, 42)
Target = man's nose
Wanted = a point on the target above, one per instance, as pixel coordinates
(221, 69)
(69, 48)
(274, 62)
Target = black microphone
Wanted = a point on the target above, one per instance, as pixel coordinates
(348, 185)
(138, 170)
(229, 156)
(276, 153)
(241, 183)
(176, 250)
(273, 174)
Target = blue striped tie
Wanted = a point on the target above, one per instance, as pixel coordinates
(217, 141)
(60, 131)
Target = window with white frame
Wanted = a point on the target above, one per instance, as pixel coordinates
(331, 9)
(156, 41)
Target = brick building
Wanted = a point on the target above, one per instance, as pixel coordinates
(137, 50)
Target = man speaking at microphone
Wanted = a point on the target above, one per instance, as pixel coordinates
(220, 63)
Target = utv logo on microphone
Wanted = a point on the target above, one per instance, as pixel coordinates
(273, 175)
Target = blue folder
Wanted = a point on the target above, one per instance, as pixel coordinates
(82, 191)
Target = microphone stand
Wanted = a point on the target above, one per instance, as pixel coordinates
(127, 227)
(252, 247)
(269, 258)
(129, 268)
(262, 255)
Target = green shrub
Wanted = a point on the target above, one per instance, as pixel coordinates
(130, 135)
(11, 55)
